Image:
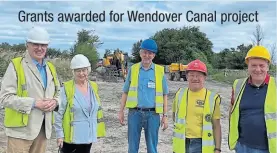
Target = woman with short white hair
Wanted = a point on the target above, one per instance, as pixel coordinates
(79, 120)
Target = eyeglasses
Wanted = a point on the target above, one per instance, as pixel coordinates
(81, 70)
(43, 46)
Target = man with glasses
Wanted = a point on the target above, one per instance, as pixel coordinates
(145, 94)
(30, 94)
(196, 114)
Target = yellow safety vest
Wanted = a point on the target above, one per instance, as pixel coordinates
(14, 118)
(179, 137)
(132, 99)
(270, 110)
(68, 117)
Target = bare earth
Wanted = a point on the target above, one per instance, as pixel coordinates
(116, 139)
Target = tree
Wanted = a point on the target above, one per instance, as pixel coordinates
(65, 54)
(258, 36)
(53, 53)
(273, 53)
(233, 58)
(86, 44)
(107, 53)
(88, 37)
(18, 48)
(219, 59)
(5, 46)
(179, 45)
(135, 52)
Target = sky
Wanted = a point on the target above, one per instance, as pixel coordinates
(124, 34)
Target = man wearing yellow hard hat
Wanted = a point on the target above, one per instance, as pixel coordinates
(253, 107)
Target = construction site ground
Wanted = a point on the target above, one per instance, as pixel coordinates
(116, 139)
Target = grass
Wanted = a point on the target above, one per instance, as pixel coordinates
(232, 75)
(229, 78)
(63, 69)
(221, 78)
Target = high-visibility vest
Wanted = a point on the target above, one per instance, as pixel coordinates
(14, 118)
(132, 99)
(68, 116)
(179, 134)
(270, 110)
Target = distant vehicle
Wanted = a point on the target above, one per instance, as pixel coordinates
(178, 71)
(116, 65)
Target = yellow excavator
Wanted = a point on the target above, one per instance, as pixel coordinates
(177, 71)
(115, 65)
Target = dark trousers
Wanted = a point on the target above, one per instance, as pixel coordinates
(193, 145)
(76, 148)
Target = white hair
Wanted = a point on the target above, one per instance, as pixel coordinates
(89, 71)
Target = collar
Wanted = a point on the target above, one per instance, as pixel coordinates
(37, 63)
(266, 80)
(152, 66)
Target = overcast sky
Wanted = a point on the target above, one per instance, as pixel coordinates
(123, 34)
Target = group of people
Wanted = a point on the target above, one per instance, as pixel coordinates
(35, 102)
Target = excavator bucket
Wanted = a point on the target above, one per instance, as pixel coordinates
(115, 67)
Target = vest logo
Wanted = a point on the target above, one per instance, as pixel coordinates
(208, 118)
(199, 103)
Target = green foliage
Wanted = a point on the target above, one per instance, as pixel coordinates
(135, 52)
(3, 66)
(231, 58)
(88, 37)
(272, 69)
(63, 69)
(52, 53)
(178, 45)
(230, 78)
(210, 69)
(18, 48)
(199, 55)
(5, 46)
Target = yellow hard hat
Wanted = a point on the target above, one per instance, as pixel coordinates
(258, 52)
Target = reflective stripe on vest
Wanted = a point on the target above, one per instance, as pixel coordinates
(270, 109)
(14, 118)
(132, 99)
(68, 117)
(179, 138)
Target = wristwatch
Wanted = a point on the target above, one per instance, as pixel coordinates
(216, 149)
